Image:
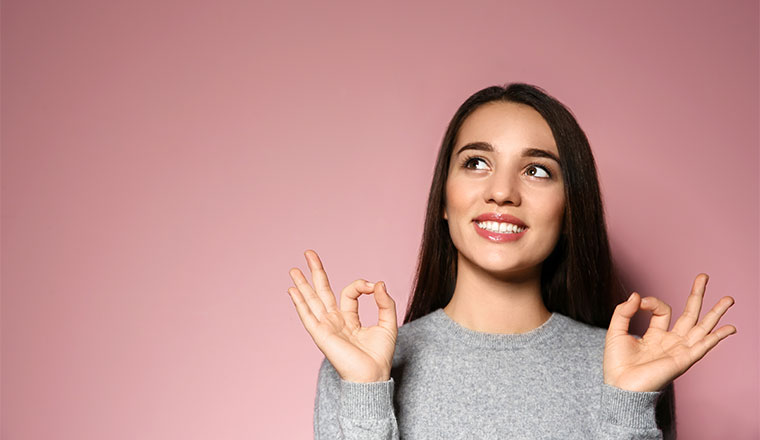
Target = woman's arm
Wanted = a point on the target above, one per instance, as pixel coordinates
(637, 369)
(355, 389)
(353, 410)
(627, 415)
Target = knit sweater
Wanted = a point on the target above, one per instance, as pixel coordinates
(451, 382)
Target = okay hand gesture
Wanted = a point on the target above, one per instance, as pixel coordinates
(660, 356)
(359, 354)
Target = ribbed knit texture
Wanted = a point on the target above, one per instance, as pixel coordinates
(448, 381)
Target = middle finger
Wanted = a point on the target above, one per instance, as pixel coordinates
(321, 283)
(315, 302)
(690, 316)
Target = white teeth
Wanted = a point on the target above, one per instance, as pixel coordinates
(502, 228)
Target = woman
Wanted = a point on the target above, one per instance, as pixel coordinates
(516, 327)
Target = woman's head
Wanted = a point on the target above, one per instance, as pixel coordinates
(504, 172)
(577, 278)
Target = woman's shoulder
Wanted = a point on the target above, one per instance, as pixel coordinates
(417, 333)
(420, 325)
(581, 333)
(429, 323)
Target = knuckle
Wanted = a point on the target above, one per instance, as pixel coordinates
(351, 289)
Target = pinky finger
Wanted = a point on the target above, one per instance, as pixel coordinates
(304, 311)
(700, 349)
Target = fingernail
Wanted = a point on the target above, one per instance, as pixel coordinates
(630, 297)
(369, 284)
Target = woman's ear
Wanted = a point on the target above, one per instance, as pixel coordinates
(445, 215)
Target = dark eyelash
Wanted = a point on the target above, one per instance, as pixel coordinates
(467, 159)
(543, 167)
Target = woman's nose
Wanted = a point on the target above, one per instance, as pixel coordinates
(503, 189)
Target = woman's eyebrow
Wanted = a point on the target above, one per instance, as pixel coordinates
(537, 152)
(528, 152)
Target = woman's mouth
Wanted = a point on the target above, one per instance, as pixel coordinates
(499, 231)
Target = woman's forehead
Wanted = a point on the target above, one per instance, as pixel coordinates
(506, 125)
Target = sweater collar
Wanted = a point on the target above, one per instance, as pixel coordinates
(454, 331)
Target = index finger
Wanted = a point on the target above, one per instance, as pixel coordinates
(349, 300)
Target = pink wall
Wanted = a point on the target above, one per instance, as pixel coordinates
(164, 163)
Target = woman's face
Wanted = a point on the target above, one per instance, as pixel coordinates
(504, 162)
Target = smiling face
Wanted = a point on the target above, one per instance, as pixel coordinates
(502, 163)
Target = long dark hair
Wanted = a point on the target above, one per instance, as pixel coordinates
(578, 279)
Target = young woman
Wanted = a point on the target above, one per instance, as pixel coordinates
(517, 326)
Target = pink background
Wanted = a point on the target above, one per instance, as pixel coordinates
(164, 163)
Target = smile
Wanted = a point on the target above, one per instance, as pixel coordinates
(502, 228)
(499, 231)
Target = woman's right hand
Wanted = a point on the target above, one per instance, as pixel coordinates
(359, 354)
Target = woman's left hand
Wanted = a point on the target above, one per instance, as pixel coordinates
(660, 356)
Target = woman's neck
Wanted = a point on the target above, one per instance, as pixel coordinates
(484, 303)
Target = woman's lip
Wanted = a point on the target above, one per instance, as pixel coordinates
(496, 236)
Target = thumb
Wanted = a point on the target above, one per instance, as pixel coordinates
(621, 317)
(386, 314)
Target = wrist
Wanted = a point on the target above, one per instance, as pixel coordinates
(637, 387)
(365, 379)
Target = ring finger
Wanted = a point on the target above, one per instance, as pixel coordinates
(711, 319)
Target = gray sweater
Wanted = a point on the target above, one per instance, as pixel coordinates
(450, 382)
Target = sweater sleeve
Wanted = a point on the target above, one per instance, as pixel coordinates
(628, 415)
(351, 410)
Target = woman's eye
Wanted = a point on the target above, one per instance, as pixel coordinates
(536, 170)
(473, 160)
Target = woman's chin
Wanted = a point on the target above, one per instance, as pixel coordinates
(511, 271)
